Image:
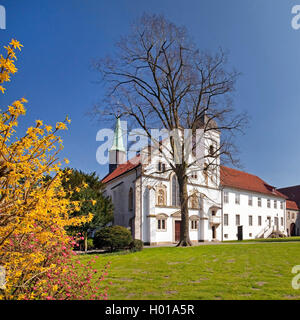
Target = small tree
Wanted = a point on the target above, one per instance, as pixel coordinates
(88, 189)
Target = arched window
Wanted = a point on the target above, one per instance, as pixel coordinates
(161, 196)
(175, 192)
(130, 200)
(194, 201)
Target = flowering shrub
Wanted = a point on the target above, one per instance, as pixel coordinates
(35, 209)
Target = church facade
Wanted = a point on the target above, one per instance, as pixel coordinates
(226, 204)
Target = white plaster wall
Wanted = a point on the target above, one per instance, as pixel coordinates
(118, 189)
(244, 210)
(212, 198)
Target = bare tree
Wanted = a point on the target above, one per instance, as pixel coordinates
(159, 79)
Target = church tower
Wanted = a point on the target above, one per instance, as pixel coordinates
(117, 153)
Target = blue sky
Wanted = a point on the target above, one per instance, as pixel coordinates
(62, 37)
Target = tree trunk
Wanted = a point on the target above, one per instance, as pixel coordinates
(183, 194)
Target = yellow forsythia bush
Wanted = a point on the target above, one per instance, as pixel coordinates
(34, 209)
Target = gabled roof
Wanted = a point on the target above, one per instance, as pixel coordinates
(292, 205)
(293, 193)
(122, 169)
(241, 180)
(229, 178)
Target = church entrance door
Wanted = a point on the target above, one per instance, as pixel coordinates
(177, 230)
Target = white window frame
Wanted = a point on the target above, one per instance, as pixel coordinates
(160, 221)
(250, 200)
(227, 216)
(259, 202)
(237, 217)
(259, 221)
(250, 218)
(193, 222)
(226, 197)
(237, 198)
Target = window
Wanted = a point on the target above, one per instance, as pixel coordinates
(194, 224)
(161, 224)
(259, 202)
(275, 204)
(250, 235)
(269, 203)
(211, 150)
(226, 236)
(194, 201)
(130, 200)
(175, 192)
(237, 220)
(161, 196)
(293, 215)
(289, 215)
(259, 220)
(226, 197)
(250, 220)
(281, 205)
(226, 219)
(250, 200)
(281, 220)
(161, 167)
(237, 198)
(194, 175)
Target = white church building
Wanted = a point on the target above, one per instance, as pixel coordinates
(228, 204)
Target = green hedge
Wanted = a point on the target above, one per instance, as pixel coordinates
(114, 238)
(136, 245)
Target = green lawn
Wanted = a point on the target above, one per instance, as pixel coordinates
(228, 271)
(289, 239)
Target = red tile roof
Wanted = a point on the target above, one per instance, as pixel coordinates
(241, 180)
(292, 205)
(122, 169)
(229, 178)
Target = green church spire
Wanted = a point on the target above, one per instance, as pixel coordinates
(118, 143)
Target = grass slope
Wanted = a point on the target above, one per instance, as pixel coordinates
(230, 271)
